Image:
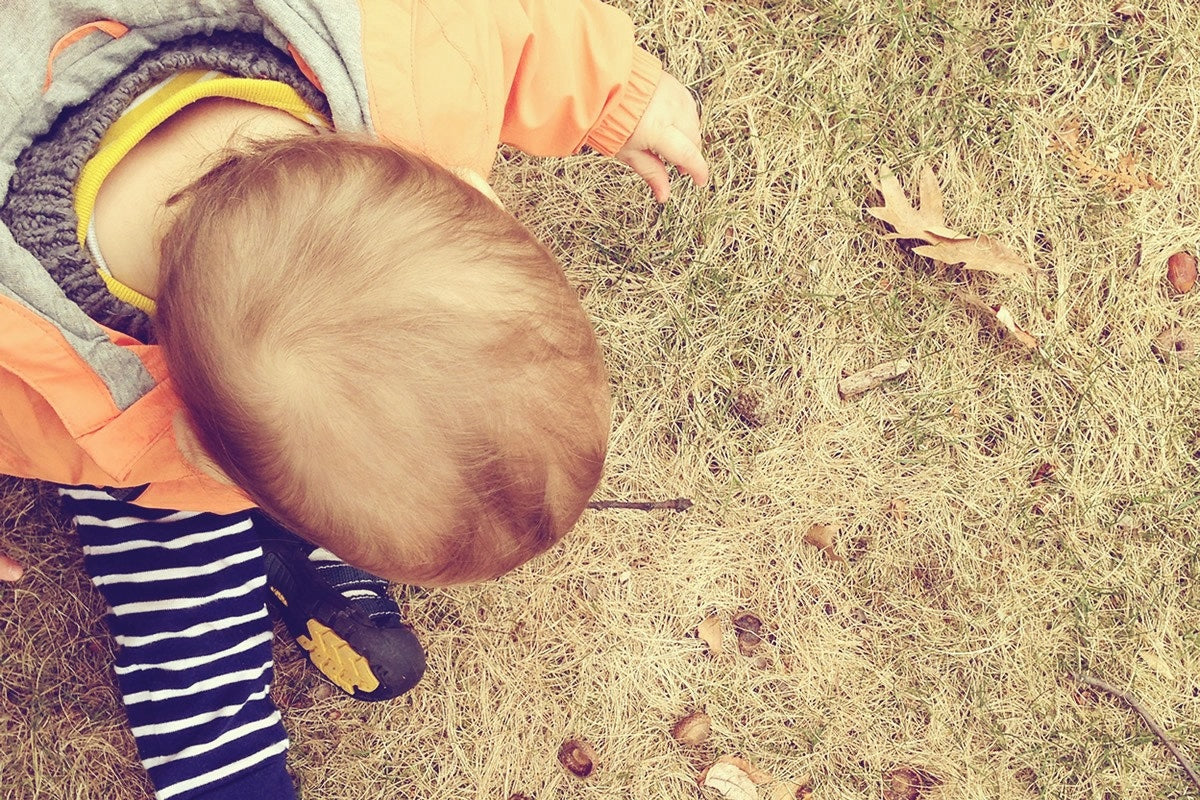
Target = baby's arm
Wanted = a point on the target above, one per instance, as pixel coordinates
(576, 78)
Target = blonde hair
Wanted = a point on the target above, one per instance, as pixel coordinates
(381, 358)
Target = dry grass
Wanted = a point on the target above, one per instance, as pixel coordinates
(942, 643)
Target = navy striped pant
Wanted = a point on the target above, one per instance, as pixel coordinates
(188, 592)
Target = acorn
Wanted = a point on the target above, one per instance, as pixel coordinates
(749, 633)
(577, 757)
(1181, 271)
(693, 729)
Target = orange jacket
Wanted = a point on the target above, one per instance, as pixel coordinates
(83, 404)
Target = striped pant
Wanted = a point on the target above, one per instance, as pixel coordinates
(187, 593)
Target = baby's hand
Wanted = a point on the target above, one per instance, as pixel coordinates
(668, 133)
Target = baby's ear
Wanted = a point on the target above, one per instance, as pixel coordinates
(476, 182)
(192, 452)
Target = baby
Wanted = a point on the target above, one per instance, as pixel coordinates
(381, 357)
(290, 308)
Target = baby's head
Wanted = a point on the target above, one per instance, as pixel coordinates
(382, 358)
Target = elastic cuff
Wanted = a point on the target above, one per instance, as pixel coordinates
(267, 782)
(616, 126)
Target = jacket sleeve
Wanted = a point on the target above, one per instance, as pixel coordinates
(575, 75)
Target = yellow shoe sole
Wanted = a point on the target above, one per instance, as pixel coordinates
(339, 661)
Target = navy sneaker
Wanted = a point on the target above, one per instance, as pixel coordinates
(348, 625)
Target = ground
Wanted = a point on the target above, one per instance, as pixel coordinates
(1004, 516)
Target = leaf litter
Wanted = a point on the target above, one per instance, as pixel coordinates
(1075, 147)
(735, 778)
(927, 222)
(1000, 317)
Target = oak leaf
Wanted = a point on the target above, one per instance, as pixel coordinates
(928, 223)
(910, 222)
(982, 253)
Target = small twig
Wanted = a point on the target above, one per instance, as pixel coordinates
(1151, 723)
(860, 382)
(678, 504)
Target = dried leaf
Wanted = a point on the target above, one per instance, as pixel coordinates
(788, 790)
(692, 730)
(928, 223)
(1158, 664)
(909, 222)
(1003, 317)
(821, 537)
(782, 791)
(898, 510)
(577, 757)
(709, 632)
(757, 776)
(932, 202)
(981, 253)
(1076, 149)
(747, 777)
(730, 780)
(1181, 272)
(749, 630)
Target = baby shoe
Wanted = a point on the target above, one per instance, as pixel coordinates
(344, 619)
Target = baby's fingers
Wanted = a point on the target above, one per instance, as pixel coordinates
(652, 170)
(676, 147)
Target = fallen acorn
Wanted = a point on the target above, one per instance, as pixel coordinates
(1181, 271)
(577, 757)
(749, 633)
(908, 783)
(693, 729)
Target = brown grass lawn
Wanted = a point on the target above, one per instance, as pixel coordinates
(964, 591)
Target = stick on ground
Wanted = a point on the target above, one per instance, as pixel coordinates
(860, 382)
(678, 504)
(1151, 723)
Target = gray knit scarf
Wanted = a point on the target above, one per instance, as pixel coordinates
(40, 209)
